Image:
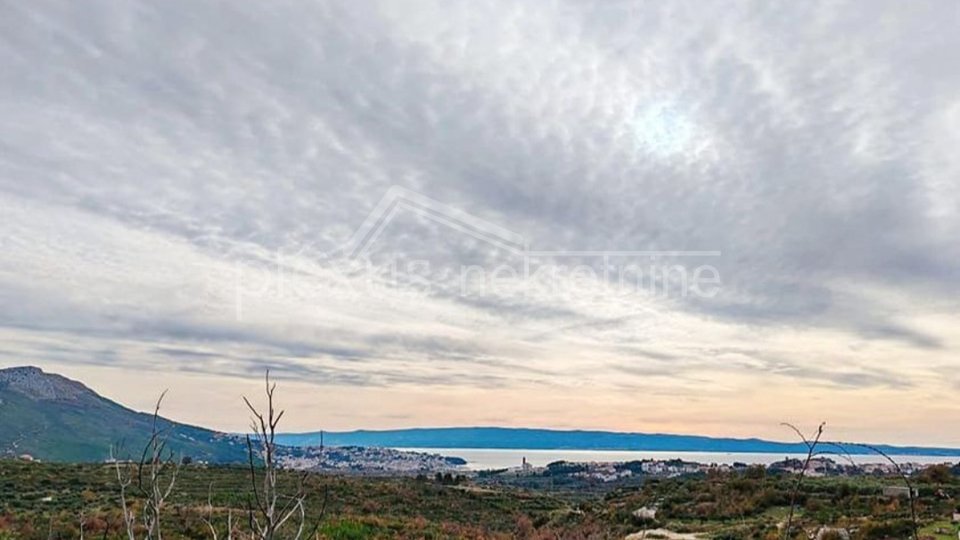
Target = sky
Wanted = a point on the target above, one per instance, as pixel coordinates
(455, 213)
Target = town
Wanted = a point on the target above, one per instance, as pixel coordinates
(374, 460)
(619, 472)
(366, 460)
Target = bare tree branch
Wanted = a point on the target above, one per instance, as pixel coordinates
(811, 445)
(267, 520)
(156, 475)
(915, 522)
(124, 480)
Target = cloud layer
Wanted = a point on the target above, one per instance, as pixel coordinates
(178, 181)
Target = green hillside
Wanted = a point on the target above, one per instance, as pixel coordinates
(53, 418)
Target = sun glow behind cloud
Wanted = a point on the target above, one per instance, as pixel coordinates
(662, 129)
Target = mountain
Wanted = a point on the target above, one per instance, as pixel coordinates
(547, 439)
(54, 418)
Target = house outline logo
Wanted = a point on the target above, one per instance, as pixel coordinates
(399, 198)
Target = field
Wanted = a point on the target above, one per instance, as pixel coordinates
(40, 501)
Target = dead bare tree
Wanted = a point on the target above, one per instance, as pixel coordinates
(156, 475)
(161, 468)
(124, 480)
(270, 511)
(208, 518)
(915, 522)
(811, 444)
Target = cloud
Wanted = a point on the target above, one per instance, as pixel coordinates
(176, 179)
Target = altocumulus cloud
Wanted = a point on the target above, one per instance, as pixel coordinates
(152, 152)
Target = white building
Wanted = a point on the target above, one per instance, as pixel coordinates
(898, 491)
(645, 512)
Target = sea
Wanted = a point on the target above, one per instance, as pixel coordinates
(479, 459)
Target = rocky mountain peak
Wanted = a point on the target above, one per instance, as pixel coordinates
(34, 383)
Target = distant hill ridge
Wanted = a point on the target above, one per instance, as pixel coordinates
(547, 439)
(53, 418)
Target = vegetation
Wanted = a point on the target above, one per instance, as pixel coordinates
(754, 504)
(42, 497)
(44, 500)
